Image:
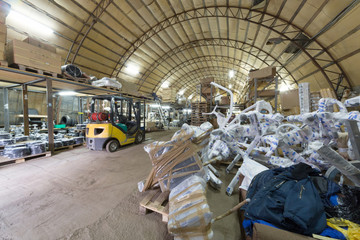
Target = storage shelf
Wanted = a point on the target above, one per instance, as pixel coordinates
(17, 76)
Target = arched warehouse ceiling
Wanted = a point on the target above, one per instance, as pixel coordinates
(183, 41)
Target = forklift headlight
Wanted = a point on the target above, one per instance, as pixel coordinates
(98, 131)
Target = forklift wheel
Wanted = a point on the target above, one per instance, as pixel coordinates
(112, 146)
(139, 137)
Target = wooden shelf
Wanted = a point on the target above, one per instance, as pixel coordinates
(16, 76)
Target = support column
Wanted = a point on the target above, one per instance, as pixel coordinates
(276, 93)
(81, 110)
(49, 102)
(255, 91)
(25, 110)
(6, 110)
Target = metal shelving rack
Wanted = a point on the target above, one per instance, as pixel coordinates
(23, 79)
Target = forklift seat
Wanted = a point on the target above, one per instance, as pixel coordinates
(132, 127)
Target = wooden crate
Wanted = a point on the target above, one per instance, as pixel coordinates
(197, 110)
(32, 57)
(156, 201)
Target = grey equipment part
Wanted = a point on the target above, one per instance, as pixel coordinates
(232, 164)
(345, 167)
(354, 136)
(333, 171)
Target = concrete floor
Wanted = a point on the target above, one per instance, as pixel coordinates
(82, 194)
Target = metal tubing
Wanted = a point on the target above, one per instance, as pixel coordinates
(49, 102)
(25, 109)
(6, 110)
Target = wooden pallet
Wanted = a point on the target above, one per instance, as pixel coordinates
(4, 160)
(69, 146)
(35, 70)
(156, 201)
(111, 88)
(80, 80)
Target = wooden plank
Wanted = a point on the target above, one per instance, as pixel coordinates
(4, 160)
(161, 198)
(159, 205)
(148, 198)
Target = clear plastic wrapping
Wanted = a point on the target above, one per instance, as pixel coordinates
(173, 161)
(189, 213)
(107, 82)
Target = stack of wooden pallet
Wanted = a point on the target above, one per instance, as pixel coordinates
(197, 110)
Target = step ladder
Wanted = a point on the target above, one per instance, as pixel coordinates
(161, 113)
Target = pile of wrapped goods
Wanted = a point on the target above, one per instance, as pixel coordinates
(107, 82)
(189, 215)
(300, 173)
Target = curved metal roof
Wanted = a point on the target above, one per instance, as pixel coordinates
(183, 41)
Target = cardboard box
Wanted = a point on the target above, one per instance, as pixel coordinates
(167, 94)
(268, 72)
(21, 53)
(40, 44)
(264, 93)
(289, 99)
(264, 232)
(3, 37)
(292, 111)
(206, 90)
(225, 100)
(4, 11)
(206, 81)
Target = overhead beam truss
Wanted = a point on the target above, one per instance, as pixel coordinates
(252, 16)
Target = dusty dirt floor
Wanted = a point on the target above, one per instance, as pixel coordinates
(82, 194)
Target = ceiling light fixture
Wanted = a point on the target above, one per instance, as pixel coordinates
(230, 86)
(132, 69)
(283, 88)
(181, 92)
(231, 73)
(67, 93)
(29, 23)
(165, 84)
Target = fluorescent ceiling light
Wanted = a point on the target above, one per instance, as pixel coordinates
(165, 107)
(29, 23)
(132, 69)
(165, 84)
(154, 105)
(181, 92)
(67, 93)
(230, 86)
(231, 73)
(283, 88)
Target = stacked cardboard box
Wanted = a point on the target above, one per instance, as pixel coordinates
(167, 94)
(4, 10)
(205, 85)
(268, 72)
(290, 102)
(27, 55)
(36, 42)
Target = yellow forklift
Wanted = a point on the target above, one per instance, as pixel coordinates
(114, 121)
